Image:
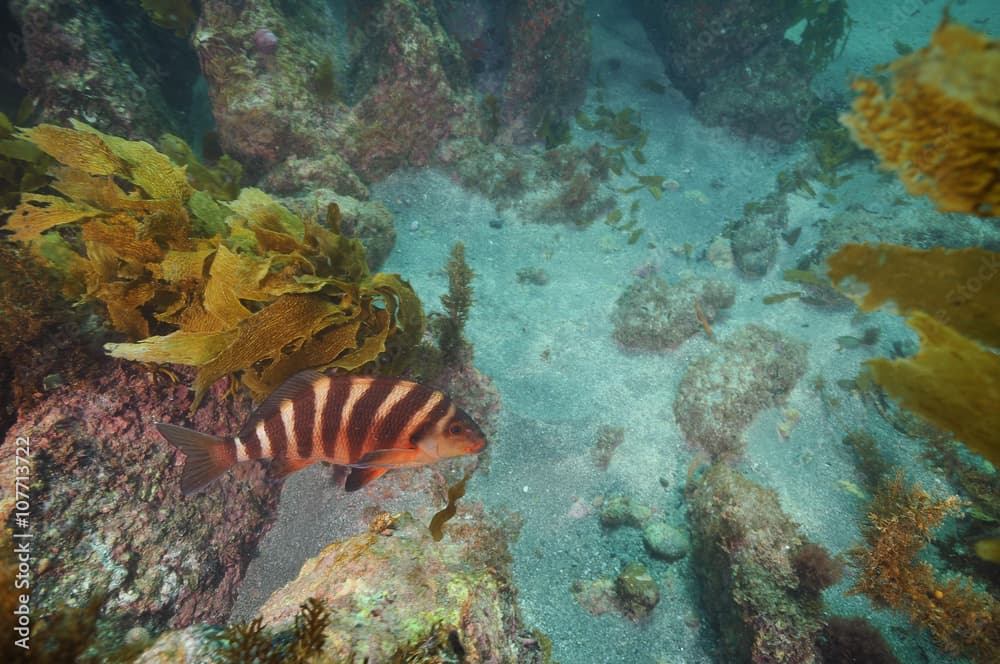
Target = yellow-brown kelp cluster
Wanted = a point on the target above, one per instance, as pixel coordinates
(244, 287)
(941, 131)
(953, 302)
(939, 126)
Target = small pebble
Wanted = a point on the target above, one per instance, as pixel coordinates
(53, 381)
(664, 541)
(414, 226)
(532, 275)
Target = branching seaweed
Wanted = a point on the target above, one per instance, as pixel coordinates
(457, 302)
(251, 642)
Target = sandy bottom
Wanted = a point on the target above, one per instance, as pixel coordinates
(549, 350)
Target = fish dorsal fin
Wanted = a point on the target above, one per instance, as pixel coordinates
(362, 476)
(290, 389)
(390, 458)
(282, 468)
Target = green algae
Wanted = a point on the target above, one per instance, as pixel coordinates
(325, 82)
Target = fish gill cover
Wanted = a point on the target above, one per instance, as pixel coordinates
(243, 287)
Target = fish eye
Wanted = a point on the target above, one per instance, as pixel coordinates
(456, 428)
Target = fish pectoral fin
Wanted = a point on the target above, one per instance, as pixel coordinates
(282, 468)
(362, 476)
(391, 458)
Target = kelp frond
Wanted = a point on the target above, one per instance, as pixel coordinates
(241, 287)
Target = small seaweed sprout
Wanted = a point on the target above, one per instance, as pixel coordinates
(250, 642)
(308, 635)
(247, 642)
(457, 302)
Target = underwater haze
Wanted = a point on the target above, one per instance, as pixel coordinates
(531, 331)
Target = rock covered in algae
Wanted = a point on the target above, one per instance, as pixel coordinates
(637, 592)
(724, 389)
(106, 63)
(633, 593)
(107, 511)
(380, 87)
(549, 61)
(389, 592)
(755, 246)
(743, 546)
(764, 96)
(654, 315)
(734, 61)
(665, 542)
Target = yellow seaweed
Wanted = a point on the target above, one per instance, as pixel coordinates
(938, 126)
(245, 287)
(455, 492)
(953, 285)
(953, 382)
(142, 165)
(80, 150)
(38, 213)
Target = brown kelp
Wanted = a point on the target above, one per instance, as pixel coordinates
(243, 287)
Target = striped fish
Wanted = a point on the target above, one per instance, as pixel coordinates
(366, 423)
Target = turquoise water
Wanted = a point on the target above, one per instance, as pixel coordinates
(548, 344)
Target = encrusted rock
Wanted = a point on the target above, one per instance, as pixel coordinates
(107, 509)
(724, 389)
(637, 592)
(742, 547)
(388, 593)
(621, 511)
(755, 245)
(654, 315)
(664, 541)
(765, 95)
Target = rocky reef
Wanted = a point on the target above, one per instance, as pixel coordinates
(394, 593)
(110, 516)
(746, 64)
(383, 84)
(104, 63)
(757, 573)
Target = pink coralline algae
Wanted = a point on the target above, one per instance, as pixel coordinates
(107, 512)
(265, 41)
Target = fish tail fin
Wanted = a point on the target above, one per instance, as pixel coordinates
(208, 456)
